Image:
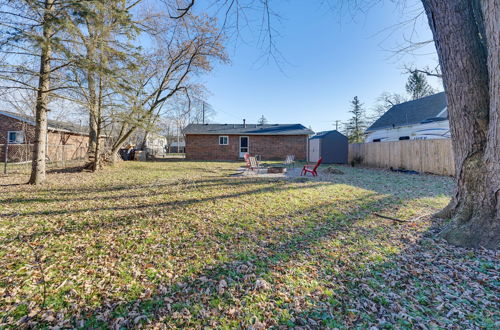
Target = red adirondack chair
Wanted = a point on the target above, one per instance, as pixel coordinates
(246, 156)
(307, 168)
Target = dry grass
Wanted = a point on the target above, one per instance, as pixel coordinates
(183, 244)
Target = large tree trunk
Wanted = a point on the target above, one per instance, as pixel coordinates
(38, 166)
(92, 152)
(471, 83)
(93, 139)
(125, 133)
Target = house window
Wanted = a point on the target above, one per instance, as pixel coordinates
(15, 137)
(223, 140)
(376, 140)
(404, 138)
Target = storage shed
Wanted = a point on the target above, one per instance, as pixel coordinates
(333, 146)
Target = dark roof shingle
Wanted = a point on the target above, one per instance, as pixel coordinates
(53, 125)
(322, 134)
(411, 112)
(248, 129)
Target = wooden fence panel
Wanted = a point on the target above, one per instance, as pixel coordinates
(429, 156)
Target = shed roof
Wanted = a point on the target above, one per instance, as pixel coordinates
(322, 134)
(411, 112)
(53, 125)
(248, 129)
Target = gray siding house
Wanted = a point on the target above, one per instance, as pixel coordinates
(422, 119)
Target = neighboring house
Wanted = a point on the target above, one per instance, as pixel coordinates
(177, 147)
(425, 118)
(155, 144)
(65, 141)
(333, 146)
(232, 141)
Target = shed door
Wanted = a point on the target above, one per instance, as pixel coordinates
(314, 152)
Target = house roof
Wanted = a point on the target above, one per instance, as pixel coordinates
(248, 129)
(53, 125)
(412, 112)
(322, 134)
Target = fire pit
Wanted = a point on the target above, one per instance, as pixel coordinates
(276, 169)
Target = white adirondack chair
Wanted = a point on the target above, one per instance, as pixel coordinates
(289, 160)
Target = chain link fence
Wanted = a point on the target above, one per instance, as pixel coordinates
(16, 158)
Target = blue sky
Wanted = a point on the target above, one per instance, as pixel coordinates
(331, 57)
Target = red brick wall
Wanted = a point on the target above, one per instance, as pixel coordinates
(10, 124)
(75, 146)
(269, 147)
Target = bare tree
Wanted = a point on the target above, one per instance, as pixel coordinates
(385, 101)
(430, 72)
(184, 49)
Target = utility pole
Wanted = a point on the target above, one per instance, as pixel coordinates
(203, 111)
(178, 135)
(337, 125)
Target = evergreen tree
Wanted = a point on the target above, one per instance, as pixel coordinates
(357, 124)
(31, 32)
(262, 120)
(417, 86)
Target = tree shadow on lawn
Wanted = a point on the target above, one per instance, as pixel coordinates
(387, 182)
(200, 298)
(428, 284)
(237, 292)
(119, 221)
(116, 222)
(188, 303)
(379, 181)
(173, 203)
(414, 285)
(181, 183)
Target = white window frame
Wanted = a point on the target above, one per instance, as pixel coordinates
(227, 140)
(9, 141)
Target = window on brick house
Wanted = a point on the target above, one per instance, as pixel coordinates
(15, 137)
(223, 140)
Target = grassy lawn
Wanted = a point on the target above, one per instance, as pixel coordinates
(184, 244)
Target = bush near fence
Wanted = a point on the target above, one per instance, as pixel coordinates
(428, 156)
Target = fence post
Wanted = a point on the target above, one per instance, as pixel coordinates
(6, 158)
(64, 155)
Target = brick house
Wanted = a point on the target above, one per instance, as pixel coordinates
(65, 141)
(232, 141)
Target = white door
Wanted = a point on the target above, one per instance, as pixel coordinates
(314, 150)
(244, 145)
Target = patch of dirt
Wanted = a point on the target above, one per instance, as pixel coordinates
(332, 170)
